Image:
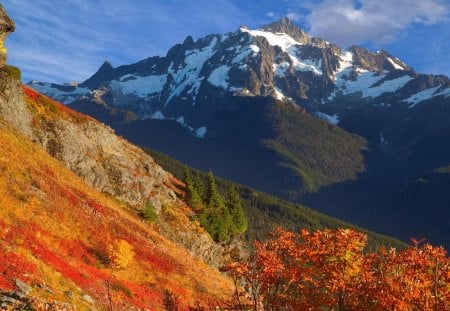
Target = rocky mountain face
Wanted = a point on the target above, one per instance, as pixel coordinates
(279, 60)
(343, 130)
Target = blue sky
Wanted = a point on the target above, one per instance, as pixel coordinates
(59, 41)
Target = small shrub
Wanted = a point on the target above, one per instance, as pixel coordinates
(121, 254)
(150, 213)
(14, 72)
(170, 301)
(168, 212)
(119, 287)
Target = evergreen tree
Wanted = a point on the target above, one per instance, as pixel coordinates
(213, 199)
(239, 222)
(192, 197)
(199, 185)
(218, 219)
(223, 226)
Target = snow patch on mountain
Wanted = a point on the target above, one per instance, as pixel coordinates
(415, 99)
(366, 83)
(244, 52)
(255, 48)
(189, 74)
(334, 119)
(158, 115)
(200, 132)
(396, 66)
(140, 86)
(288, 45)
(219, 77)
(279, 94)
(445, 93)
(388, 86)
(280, 69)
(345, 62)
(66, 95)
(282, 40)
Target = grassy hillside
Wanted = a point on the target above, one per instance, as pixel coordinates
(320, 153)
(57, 233)
(265, 212)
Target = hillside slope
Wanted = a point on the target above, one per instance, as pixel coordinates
(71, 193)
(55, 231)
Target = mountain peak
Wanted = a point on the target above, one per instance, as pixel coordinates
(102, 74)
(285, 25)
(106, 66)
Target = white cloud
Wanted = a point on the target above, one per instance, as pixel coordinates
(379, 21)
(293, 16)
(271, 15)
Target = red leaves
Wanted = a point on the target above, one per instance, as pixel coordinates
(327, 269)
(49, 105)
(13, 266)
(31, 93)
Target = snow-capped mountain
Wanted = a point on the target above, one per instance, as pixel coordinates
(251, 106)
(278, 60)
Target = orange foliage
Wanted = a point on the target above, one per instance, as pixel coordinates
(327, 270)
(55, 230)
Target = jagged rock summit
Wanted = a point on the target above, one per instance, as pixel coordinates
(279, 60)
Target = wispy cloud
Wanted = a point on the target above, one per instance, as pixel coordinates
(68, 40)
(293, 16)
(378, 21)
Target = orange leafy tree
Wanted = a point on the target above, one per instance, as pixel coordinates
(328, 270)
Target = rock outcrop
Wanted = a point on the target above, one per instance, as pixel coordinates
(12, 108)
(6, 27)
(89, 148)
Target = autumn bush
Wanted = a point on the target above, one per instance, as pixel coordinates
(328, 270)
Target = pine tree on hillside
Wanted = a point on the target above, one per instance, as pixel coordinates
(224, 225)
(238, 219)
(192, 197)
(199, 185)
(213, 199)
(219, 217)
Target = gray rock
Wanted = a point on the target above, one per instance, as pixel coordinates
(23, 287)
(19, 295)
(8, 300)
(88, 299)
